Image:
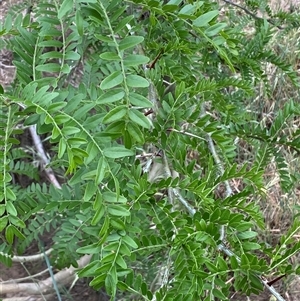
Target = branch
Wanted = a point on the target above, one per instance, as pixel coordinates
(40, 149)
(62, 277)
(247, 11)
(31, 258)
(45, 297)
(186, 133)
(26, 278)
(41, 152)
(185, 203)
(218, 162)
(168, 175)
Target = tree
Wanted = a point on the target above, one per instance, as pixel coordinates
(145, 147)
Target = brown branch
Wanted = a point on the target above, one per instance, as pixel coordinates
(248, 12)
(151, 65)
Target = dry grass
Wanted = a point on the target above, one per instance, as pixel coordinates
(278, 207)
(285, 5)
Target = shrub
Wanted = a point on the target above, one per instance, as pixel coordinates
(160, 156)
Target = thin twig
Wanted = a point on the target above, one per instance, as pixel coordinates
(247, 11)
(218, 162)
(168, 175)
(186, 133)
(6, 66)
(41, 152)
(185, 203)
(26, 278)
(40, 149)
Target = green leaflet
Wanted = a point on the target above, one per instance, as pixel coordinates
(130, 41)
(115, 114)
(114, 79)
(204, 19)
(117, 152)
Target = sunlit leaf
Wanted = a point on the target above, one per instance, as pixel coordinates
(139, 100)
(139, 118)
(111, 197)
(89, 249)
(137, 81)
(64, 8)
(11, 209)
(117, 152)
(111, 96)
(79, 22)
(101, 169)
(130, 41)
(204, 19)
(129, 241)
(114, 79)
(215, 29)
(3, 222)
(110, 56)
(115, 114)
(117, 210)
(135, 60)
(9, 234)
(50, 67)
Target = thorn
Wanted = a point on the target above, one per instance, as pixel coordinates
(270, 283)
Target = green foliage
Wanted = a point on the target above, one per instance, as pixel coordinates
(161, 234)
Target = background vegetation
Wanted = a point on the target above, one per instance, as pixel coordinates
(152, 148)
